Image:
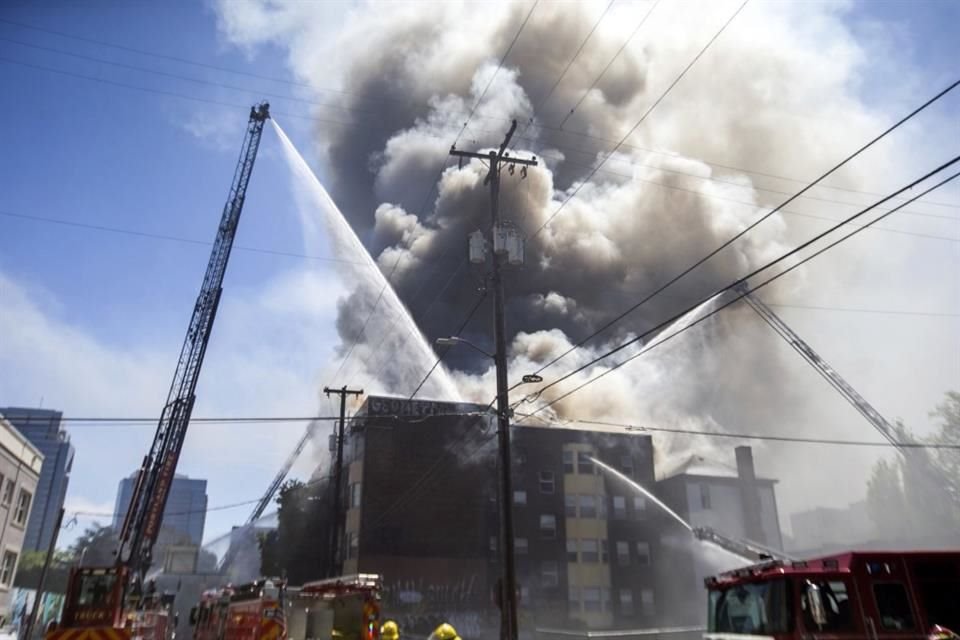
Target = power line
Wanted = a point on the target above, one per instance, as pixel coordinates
(735, 299)
(615, 56)
(641, 120)
(748, 228)
(355, 122)
(460, 329)
(892, 312)
(223, 507)
(755, 436)
(563, 74)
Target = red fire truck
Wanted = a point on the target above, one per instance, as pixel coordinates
(872, 595)
(347, 608)
(248, 612)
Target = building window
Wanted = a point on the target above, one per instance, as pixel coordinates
(5, 501)
(619, 507)
(493, 543)
(626, 602)
(571, 550)
(9, 564)
(573, 599)
(520, 546)
(584, 463)
(589, 551)
(546, 482)
(626, 466)
(520, 497)
(549, 574)
(568, 466)
(23, 507)
(570, 506)
(591, 599)
(643, 553)
(355, 494)
(602, 507)
(605, 599)
(588, 506)
(623, 554)
(548, 526)
(604, 553)
(646, 602)
(353, 544)
(8, 492)
(704, 496)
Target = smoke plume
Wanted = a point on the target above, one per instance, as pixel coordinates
(776, 93)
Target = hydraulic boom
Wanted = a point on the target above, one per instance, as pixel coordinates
(142, 523)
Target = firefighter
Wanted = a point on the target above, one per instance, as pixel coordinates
(389, 631)
(444, 632)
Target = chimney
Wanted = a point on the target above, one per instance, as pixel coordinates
(749, 496)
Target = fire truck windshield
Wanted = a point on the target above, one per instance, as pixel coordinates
(94, 591)
(751, 608)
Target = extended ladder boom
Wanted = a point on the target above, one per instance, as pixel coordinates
(860, 403)
(746, 549)
(142, 523)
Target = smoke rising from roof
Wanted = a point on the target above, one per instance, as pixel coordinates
(777, 93)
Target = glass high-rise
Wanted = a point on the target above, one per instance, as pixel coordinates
(43, 429)
(184, 515)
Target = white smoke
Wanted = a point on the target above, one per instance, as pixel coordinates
(779, 93)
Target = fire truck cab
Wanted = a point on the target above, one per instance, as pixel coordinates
(344, 608)
(873, 595)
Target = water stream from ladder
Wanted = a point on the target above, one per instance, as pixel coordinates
(640, 489)
(399, 364)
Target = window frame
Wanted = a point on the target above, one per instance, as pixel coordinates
(554, 572)
(583, 460)
(584, 510)
(623, 559)
(548, 533)
(7, 581)
(547, 479)
(521, 546)
(592, 557)
(644, 558)
(626, 604)
(9, 490)
(569, 466)
(20, 519)
(517, 493)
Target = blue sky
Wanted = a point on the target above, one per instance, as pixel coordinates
(87, 151)
(99, 154)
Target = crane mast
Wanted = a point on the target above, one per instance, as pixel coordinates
(142, 522)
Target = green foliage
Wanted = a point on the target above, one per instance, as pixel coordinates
(299, 547)
(903, 498)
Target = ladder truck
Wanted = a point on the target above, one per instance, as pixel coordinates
(112, 603)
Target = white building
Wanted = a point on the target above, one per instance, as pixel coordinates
(20, 465)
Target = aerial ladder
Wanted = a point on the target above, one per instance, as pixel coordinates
(746, 549)
(265, 499)
(901, 441)
(112, 603)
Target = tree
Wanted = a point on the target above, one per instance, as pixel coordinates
(918, 494)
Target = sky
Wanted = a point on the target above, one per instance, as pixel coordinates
(91, 319)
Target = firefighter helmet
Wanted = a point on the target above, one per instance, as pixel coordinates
(939, 632)
(444, 632)
(389, 631)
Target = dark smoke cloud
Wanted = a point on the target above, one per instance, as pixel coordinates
(765, 96)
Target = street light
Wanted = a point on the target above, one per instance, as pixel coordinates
(454, 341)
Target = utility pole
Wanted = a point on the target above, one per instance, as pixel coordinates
(338, 471)
(502, 246)
(43, 577)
